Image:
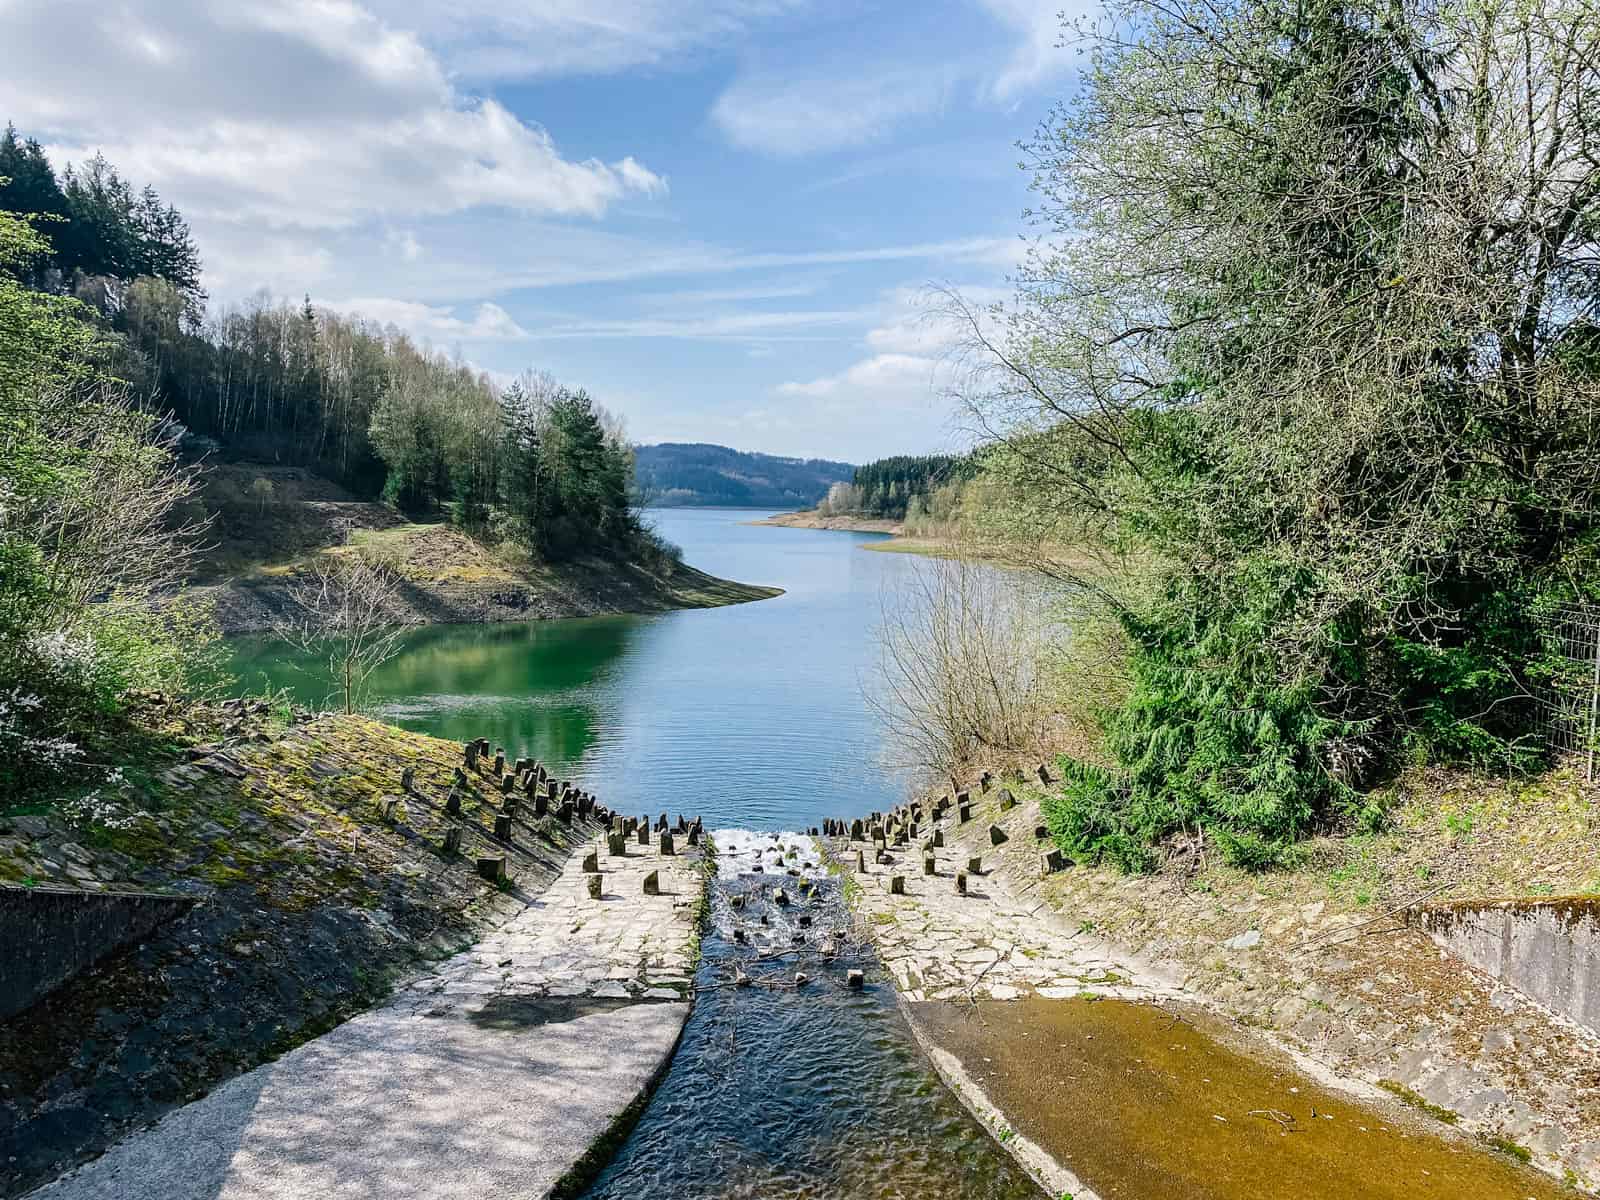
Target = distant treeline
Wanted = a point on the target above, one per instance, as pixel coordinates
(362, 403)
(690, 473)
(890, 487)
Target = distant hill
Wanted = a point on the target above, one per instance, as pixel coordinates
(677, 474)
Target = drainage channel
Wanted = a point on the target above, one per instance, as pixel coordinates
(790, 1082)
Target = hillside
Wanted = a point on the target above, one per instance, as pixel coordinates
(677, 474)
(258, 546)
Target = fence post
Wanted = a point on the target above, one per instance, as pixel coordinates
(1594, 700)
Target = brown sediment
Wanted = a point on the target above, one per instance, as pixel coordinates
(1147, 1103)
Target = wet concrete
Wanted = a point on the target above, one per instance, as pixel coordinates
(1147, 1103)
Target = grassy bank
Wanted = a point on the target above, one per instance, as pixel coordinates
(446, 575)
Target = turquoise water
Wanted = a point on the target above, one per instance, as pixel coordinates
(751, 715)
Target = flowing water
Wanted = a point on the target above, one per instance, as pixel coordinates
(786, 1089)
(753, 717)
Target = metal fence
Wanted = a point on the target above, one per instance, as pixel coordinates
(1572, 698)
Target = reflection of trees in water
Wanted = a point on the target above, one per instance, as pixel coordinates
(534, 687)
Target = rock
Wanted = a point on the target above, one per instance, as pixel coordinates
(1007, 800)
(975, 865)
(596, 882)
(502, 827)
(666, 846)
(652, 884)
(961, 883)
(740, 979)
(591, 861)
(780, 897)
(1052, 861)
(1044, 774)
(855, 979)
(801, 979)
(1243, 941)
(997, 836)
(408, 779)
(929, 867)
(452, 840)
(963, 813)
(897, 885)
(452, 803)
(644, 834)
(616, 845)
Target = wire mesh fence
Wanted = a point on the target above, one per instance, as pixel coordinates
(1572, 699)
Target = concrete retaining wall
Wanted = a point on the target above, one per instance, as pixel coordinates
(1549, 950)
(48, 935)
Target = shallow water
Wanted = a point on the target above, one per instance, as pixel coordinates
(795, 1091)
(750, 715)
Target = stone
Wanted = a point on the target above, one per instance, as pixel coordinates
(458, 778)
(499, 762)
(1052, 861)
(591, 861)
(565, 813)
(928, 865)
(897, 885)
(661, 823)
(805, 920)
(387, 807)
(652, 884)
(452, 803)
(963, 813)
(619, 825)
(938, 839)
(507, 782)
(963, 798)
(961, 883)
(644, 834)
(856, 830)
(1040, 833)
(493, 868)
(471, 756)
(452, 840)
(408, 779)
(861, 860)
(1007, 800)
(780, 897)
(855, 979)
(975, 865)
(596, 882)
(502, 827)
(511, 807)
(694, 835)
(541, 805)
(740, 937)
(665, 846)
(801, 979)
(985, 780)
(997, 836)
(1043, 774)
(1244, 941)
(616, 845)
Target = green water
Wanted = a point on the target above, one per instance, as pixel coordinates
(751, 715)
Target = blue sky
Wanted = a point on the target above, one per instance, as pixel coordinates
(720, 216)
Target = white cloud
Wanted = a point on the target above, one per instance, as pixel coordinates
(490, 323)
(883, 378)
(488, 39)
(734, 326)
(807, 115)
(1037, 24)
(313, 114)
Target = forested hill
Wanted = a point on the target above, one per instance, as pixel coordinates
(696, 473)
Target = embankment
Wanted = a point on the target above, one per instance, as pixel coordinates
(1312, 967)
(811, 519)
(318, 880)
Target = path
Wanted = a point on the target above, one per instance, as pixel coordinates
(493, 1075)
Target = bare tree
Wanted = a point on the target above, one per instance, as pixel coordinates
(960, 667)
(345, 613)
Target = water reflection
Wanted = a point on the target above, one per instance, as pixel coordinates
(750, 715)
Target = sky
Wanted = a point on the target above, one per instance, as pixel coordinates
(721, 217)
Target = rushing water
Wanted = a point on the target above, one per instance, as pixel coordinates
(750, 715)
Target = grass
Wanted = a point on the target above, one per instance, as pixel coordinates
(1410, 1098)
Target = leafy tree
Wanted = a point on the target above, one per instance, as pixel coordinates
(1308, 361)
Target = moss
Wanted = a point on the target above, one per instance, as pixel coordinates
(1509, 1148)
(1406, 1096)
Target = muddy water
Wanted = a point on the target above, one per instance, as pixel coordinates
(814, 1090)
(1141, 1104)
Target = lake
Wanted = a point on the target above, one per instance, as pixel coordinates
(750, 715)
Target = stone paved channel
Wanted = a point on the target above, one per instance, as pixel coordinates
(493, 1075)
(961, 933)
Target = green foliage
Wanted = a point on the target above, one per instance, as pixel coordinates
(1337, 465)
(889, 485)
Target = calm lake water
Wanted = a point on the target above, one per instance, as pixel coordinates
(751, 715)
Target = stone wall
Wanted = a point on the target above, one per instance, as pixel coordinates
(1549, 950)
(50, 934)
